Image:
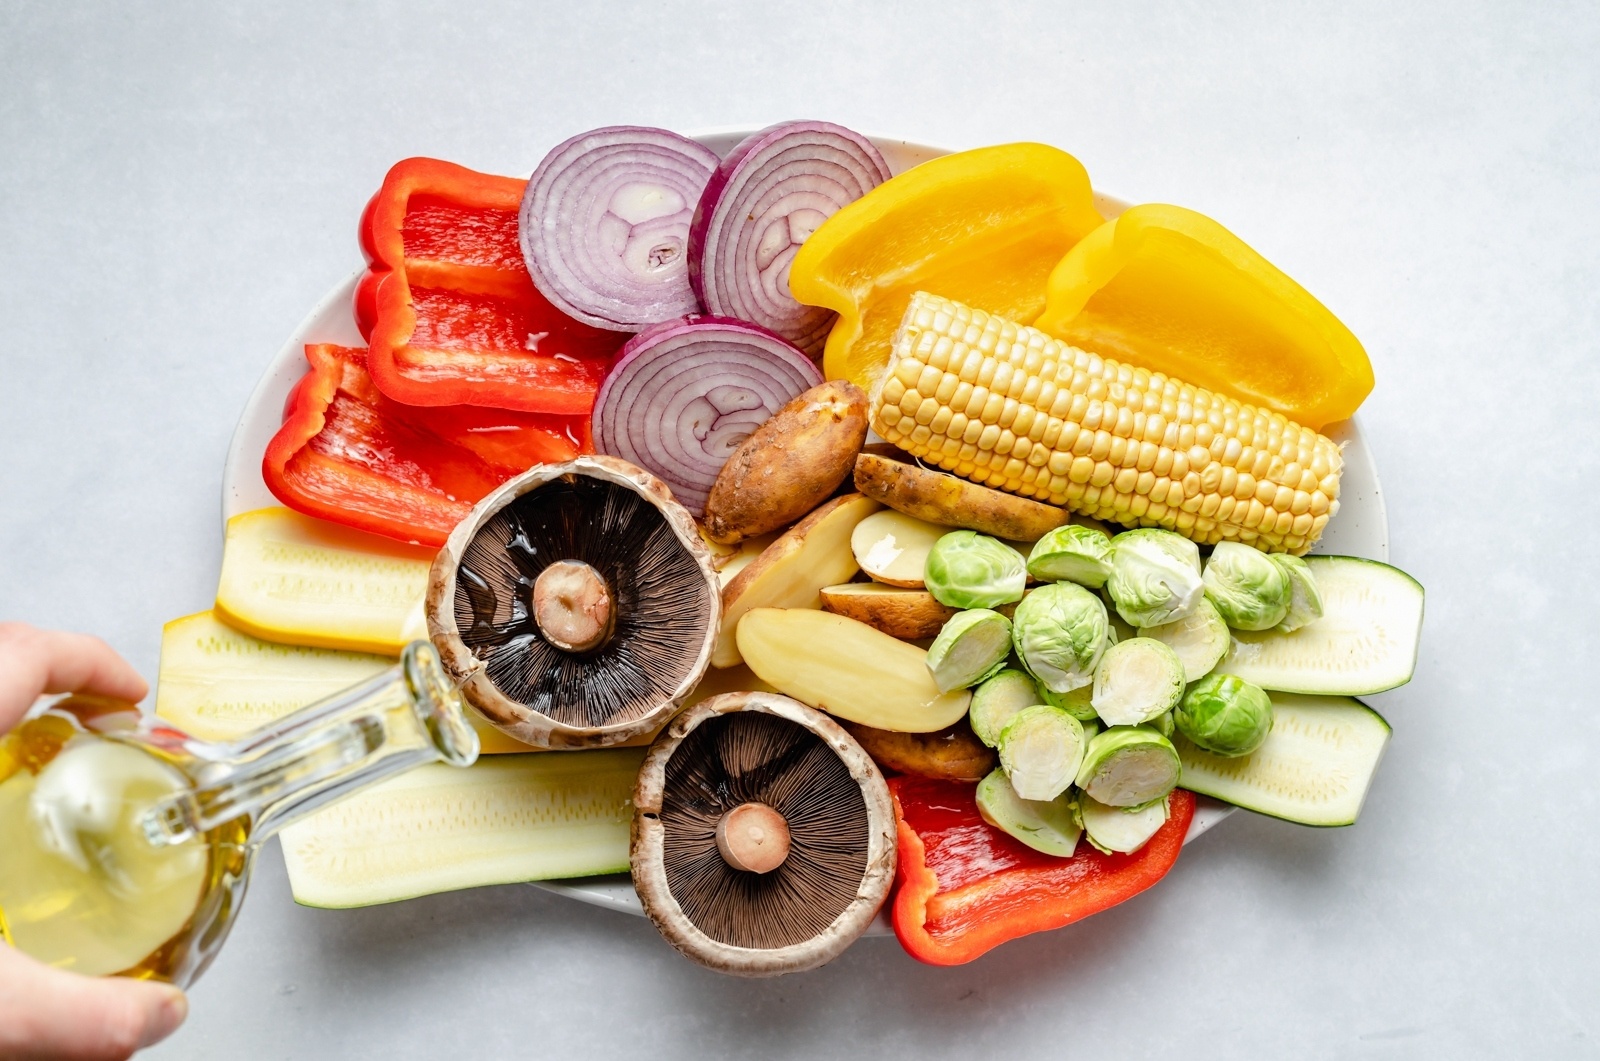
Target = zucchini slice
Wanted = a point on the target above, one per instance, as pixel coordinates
(303, 581)
(1314, 768)
(440, 828)
(1365, 642)
(218, 684)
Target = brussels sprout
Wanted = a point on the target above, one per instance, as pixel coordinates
(1155, 576)
(1059, 632)
(1090, 728)
(1076, 703)
(1044, 825)
(1120, 830)
(970, 570)
(1305, 600)
(1041, 749)
(1073, 553)
(996, 701)
(1225, 715)
(1200, 639)
(1164, 725)
(972, 645)
(1136, 681)
(1251, 592)
(1128, 766)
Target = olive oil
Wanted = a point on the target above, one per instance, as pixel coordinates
(125, 846)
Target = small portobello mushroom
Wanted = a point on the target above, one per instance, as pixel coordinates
(576, 605)
(763, 835)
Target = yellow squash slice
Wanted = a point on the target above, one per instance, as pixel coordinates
(302, 581)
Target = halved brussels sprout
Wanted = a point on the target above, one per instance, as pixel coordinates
(1155, 576)
(1044, 825)
(970, 570)
(1128, 766)
(1041, 749)
(1225, 715)
(997, 700)
(1200, 639)
(1164, 725)
(1078, 702)
(971, 646)
(1073, 553)
(1136, 681)
(1305, 600)
(1118, 830)
(1059, 632)
(1250, 590)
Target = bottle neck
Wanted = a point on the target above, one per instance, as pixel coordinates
(405, 717)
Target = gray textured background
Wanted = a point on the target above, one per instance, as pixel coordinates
(179, 184)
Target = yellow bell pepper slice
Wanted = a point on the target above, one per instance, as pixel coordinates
(984, 227)
(1172, 291)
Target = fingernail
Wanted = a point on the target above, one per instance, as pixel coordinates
(170, 1012)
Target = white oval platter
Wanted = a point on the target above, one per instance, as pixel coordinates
(1360, 529)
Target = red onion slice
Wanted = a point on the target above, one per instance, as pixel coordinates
(604, 225)
(766, 198)
(684, 394)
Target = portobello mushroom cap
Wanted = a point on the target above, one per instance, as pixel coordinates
(763, 835)
(576, 605)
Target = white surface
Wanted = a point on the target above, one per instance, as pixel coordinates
(178, 182)
(1360, 528)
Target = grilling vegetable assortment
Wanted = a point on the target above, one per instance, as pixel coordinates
(1065, 592)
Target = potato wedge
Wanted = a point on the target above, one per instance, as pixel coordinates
(940, 497)
(790, 464)
(729, 560)
(951, 754)
(847, 669)
(909, 614)
(892, 547)
(791, 572)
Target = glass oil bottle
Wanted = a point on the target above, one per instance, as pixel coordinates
(126, 846)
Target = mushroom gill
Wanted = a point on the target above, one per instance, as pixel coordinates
(580, 600)
(737, 759)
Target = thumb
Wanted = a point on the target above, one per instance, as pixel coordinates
(47, 1013)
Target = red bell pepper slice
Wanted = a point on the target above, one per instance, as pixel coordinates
(965, 887)
(450, 315)
(346, 453)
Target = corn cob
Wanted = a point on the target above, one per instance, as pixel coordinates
(1009, 406)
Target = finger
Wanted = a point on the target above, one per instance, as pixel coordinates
(36, 661)
(46, 1013)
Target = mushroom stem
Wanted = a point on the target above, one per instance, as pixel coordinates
(753, 837)
(572, 605)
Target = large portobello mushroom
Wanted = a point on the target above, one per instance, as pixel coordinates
(576, 605)
(763, 835)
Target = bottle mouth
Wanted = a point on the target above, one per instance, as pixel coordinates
(439, 705)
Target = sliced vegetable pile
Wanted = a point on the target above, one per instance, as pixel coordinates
(1029, 539)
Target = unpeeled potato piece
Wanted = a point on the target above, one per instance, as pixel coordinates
(908, 614)
(792, 571)
(951, 754)
(939, 497)
(892, 547)
(847, 669)
(790, 464)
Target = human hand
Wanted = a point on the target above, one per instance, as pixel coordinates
(46, 1013)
